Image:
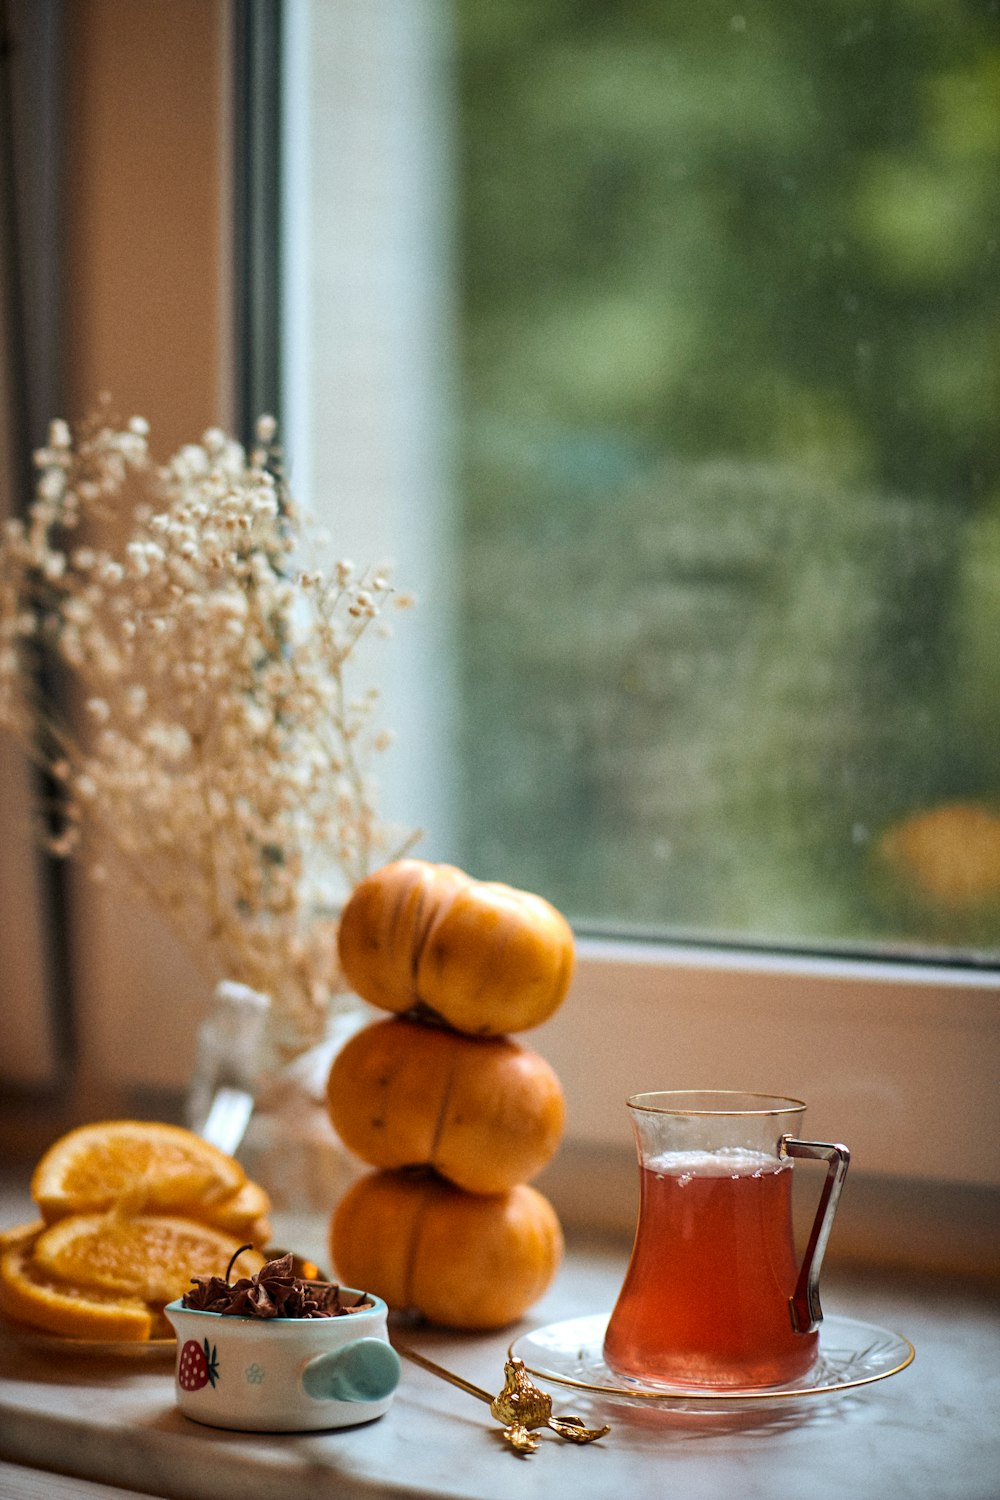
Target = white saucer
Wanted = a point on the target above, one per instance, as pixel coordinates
(851, 1354)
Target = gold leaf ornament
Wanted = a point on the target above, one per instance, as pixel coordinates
(523, 1408)
(520, 1406)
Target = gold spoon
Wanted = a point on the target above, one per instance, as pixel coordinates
(520, 1406)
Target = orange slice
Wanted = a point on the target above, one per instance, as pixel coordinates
(244, 1213)
(28, 1295)
(135, 1163)
(151, 1257)
(20, 1234)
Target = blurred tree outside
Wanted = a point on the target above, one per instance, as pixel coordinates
(729, 461)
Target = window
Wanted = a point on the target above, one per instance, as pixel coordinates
(657, 343)
(712, 349)
(431, 428)
(671, 332)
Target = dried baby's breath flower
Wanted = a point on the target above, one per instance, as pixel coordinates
(221, 748)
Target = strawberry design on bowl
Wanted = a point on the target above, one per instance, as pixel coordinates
(197, 1366)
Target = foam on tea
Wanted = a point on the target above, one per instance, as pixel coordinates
(731, 1161)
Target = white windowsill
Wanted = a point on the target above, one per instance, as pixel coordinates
(732, 959)
(901, 1062)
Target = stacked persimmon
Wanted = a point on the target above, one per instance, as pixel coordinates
(454, 1113)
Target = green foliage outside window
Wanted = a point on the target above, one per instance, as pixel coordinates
(729, 464)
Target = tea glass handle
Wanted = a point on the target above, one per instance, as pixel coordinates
(804, 1303)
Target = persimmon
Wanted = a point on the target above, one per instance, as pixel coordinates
(484, 1112)
(462, 1260)
(486, 958)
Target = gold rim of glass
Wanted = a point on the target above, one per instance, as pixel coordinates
(696, 1102)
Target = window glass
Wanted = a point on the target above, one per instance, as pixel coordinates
(700, 301)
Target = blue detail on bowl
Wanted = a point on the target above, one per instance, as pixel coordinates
(364, 1370)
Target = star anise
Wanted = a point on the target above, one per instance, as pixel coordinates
(273, 1292)
(210, 1294)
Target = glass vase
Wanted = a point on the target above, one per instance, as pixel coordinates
(269, 1110)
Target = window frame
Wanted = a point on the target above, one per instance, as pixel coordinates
(257, 190)
(900, 1060)
(33, 885)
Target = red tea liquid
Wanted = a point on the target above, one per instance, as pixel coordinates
(705, 1297)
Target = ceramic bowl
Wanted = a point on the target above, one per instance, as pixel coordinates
(283, 1374)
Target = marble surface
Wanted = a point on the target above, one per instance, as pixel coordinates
(931, 1432)
(19, 1483)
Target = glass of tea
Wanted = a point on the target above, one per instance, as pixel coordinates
(714, 1297)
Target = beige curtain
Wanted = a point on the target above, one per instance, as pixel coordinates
(143, 233)
(28, 1054)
